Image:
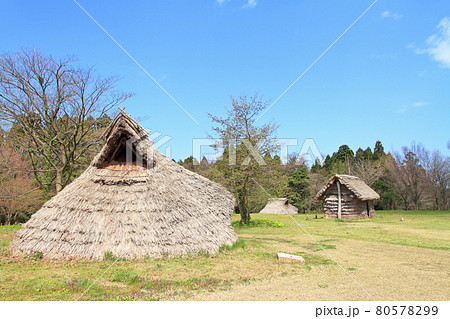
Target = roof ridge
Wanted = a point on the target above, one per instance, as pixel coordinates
(131, 122)
(360, 189)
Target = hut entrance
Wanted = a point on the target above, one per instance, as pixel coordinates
(125, 153)
(368, 210)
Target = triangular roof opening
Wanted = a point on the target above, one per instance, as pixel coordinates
(122, 144)
(125, 153)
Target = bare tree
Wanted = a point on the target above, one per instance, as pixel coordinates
(53, 108)
(18, 191)
(437, 168)
(368, 170)
(407, 176)
(316, 182)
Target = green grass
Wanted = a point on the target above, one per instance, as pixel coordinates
(126, 276)
(238, 244)
(424, 229)
(155, 287)
(8, 228)
(252, 258)
(264, 223)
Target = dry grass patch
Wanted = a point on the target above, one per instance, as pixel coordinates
(387, 272)
(392, 260)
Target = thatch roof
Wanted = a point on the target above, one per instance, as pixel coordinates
(279, 206)
(356, 185)
(152, 208)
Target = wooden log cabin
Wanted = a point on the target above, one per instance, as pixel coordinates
(349, 197)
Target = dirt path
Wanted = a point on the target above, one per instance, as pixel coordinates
(387, 272)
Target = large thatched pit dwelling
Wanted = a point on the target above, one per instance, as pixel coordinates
(346, 196)
(150, 208)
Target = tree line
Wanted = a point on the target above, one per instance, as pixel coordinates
(53, 115)
(414, 178)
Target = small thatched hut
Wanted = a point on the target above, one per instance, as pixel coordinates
(346, 196)
(279, 206)
(150, 208)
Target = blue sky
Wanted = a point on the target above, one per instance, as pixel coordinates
(387, 78)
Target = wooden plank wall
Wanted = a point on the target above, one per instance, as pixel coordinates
(351, 206)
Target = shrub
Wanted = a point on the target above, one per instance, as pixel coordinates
(38, 256)
(263, 223)
(109, 256)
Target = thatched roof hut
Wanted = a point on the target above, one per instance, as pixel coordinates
(279, 206)
(150, 208)
(346, 196)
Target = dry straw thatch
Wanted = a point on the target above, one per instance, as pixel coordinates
(152, 208)
(279, 206)
(356, 185)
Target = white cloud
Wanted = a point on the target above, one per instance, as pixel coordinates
(405, 107)
(391, 15)
(250, 4)
(422, 73)
(220, 2)
(439, 44)
(420, 103)
(402, 109)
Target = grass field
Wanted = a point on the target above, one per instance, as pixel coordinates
(389, 258)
